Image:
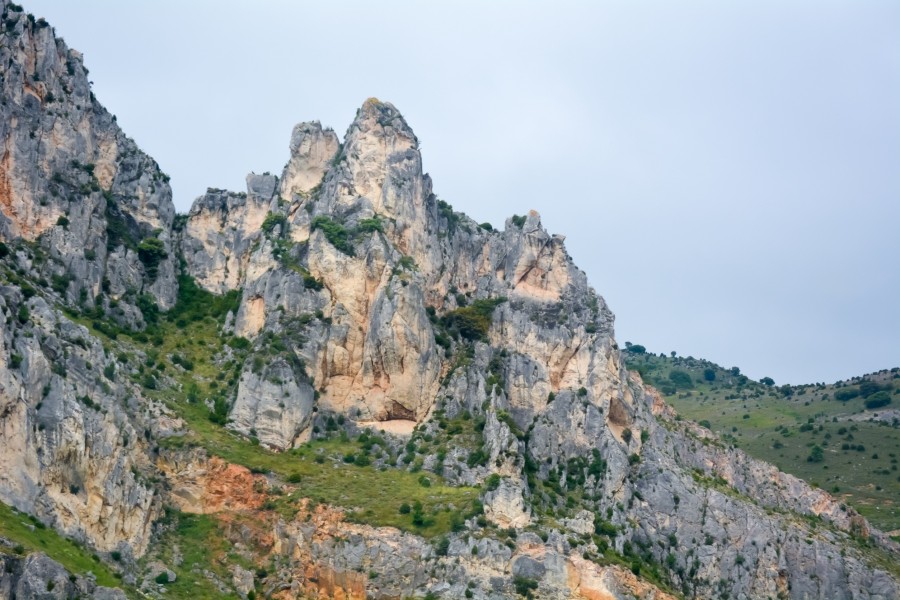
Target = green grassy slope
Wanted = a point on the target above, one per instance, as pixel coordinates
(30, 535)
(812, 431)
(191, 334)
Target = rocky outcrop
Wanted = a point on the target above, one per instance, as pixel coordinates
(220, 230)
(312, 151)
(71, 454)
(365, 300)
(395, 306)
(38, 576)
(71, 180)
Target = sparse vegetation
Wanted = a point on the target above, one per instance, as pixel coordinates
(805, 430)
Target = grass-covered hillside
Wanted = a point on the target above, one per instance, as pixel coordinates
(843, 437)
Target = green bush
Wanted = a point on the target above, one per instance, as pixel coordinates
(878, 399)
(370, 225)
(151, 251)
(524, 585)
(271, 220)
(472, 322)
(492, 482)
(442, 546)
(336, 234)
(519, 220)
(681, 379)
(815, 455)
(194, 303)
(844, 395)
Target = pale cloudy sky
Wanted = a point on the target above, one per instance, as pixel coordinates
(727, 173)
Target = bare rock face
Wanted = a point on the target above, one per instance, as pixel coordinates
(38, 576)
(220, 230)
(312, 150)
(70, 453)
(366, 301)
(69, 177)
(392, 307)
(274, 405)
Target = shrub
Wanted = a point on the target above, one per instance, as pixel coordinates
(311, 283)
(271, 220)
(681, 379)
(845, 395)
(492, 482)
(518, 220)
(442, 546)
(151, 252)
(815, 455)
(878, 399)
(867, 388)
(370, 225)
(335, 233)
(524, 585)
(472, 322)
(709, 374)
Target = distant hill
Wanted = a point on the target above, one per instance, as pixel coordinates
(842, 436)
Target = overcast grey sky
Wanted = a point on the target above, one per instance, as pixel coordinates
(727, 173)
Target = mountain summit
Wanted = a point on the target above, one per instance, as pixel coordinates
(333, 385)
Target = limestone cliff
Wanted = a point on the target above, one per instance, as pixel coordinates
(259, 360)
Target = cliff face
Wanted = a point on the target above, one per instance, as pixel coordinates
(343, 303)
(70, 178)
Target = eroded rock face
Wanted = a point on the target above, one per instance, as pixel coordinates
(38, 576)
(375, 269)
(312, 150)
(70, 454)
(71, 179)
(363, 297)
(220, 231)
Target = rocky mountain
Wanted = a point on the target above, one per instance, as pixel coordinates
(333, 385)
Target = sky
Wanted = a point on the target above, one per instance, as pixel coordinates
(726, 173)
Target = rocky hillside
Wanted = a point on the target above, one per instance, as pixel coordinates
(332, 385)
(843, 436)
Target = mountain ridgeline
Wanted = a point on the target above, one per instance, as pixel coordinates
(333, 385)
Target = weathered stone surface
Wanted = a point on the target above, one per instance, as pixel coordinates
(312, 150)
(66, 170)
(220, 230)
(70, 452)
(363, 296)
(273, 406)
(37, 576)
